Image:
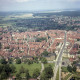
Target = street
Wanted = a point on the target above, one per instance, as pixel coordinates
(59, 58)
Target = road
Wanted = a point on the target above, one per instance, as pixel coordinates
(59, 59)
(42, 67)
(51, 44)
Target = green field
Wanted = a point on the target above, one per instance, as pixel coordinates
(64, 69)
(30, 67)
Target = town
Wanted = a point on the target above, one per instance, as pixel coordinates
(50, 44)
(39, 39)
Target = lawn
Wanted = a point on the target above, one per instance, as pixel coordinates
(30, 67)
(64, 69)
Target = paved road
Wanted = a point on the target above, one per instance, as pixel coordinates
(59, 57)
(42, 67)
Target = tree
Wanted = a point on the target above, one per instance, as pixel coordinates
(30, 62)
(36, 73)
(74, 62)
(18, 61)
(3, 75)
(43, 76)
(69, 68)
(44, 60)
(47, 73)
(27, 75)
(41, 39)
(45, 53)
(7, 69)
(35, 59)
(25, 60)
(74, 68)
(3, 61)
(78, 39)
(13, 68)
(10, 60)
(22, 69)
(1, 68)
(18, 76)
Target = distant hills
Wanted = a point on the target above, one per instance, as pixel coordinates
(64, 13)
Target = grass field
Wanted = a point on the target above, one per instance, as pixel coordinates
(30, 67)
(64, 69)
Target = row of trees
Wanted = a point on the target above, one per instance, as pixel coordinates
(35, 60)
(19, 61)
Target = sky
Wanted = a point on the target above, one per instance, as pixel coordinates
(35, 5)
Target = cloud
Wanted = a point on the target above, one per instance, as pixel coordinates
(22, 0)
(74, 0)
